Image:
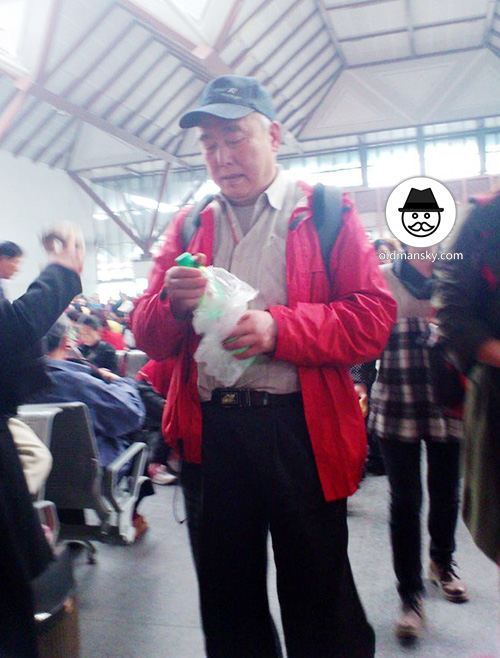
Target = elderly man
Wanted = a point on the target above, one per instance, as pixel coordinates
(10, 259)
(284, 448)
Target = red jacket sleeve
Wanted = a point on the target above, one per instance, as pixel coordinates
(355, 326)
(157, 332)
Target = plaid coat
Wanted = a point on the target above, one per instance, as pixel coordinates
(403, 404)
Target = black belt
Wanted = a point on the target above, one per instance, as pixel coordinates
(244, 397)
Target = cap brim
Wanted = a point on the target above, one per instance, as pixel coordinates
(420, 209)
(221, 110)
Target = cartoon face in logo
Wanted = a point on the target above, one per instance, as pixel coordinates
(421, 224)
(421, 215)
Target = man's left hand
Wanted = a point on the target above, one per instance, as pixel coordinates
(255, 332)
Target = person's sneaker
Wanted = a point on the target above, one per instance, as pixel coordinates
(410, 623)
(450, 584)
(159, 474)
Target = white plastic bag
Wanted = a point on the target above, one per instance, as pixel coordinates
(224, 302)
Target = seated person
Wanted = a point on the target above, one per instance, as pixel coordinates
(111, 332)
(114, 403)
(35, 457)
(93, 347)
(115, 406)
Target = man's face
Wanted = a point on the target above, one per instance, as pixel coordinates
(9, 266)
(422, 223)
(240, 155)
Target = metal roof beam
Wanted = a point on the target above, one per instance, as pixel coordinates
(264, 34)
(280, 44)
(304, 66)
(361, 3)
(154, 221)
(162, 129)
(133, 86)
(64, 105)
(103, 87)
(326, 20)
(70, 88)
(76, 45)
(416, 28)
(111, 164)
(55, 12)
(147, 99)
(68, 154)
(150, 120)
(410, 58)
(248, 19)
(13, 109)
(138, 51)
(296, 52)
(53, 138)
(88, 190)
(326, 65)
(222, 38)
(199, 57)
(490, 19)
(409, 27)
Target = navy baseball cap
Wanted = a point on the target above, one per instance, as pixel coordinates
(230, 97)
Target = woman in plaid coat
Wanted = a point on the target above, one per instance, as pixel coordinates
(405, 412)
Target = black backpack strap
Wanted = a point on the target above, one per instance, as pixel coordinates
(327, 217)
(192, 219)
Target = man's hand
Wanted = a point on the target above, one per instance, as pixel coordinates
(185, 287)
(107, 375)
(72, 247)
(362, 392)
(256, 331)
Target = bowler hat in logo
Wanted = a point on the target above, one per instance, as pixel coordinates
(230, 97)
(420, 200)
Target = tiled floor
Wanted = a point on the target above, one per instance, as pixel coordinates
(141, 601)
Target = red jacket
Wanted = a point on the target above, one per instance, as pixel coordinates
(324, 329)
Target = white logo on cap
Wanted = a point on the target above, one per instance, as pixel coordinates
(232, 90)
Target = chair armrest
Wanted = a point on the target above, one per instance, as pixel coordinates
(47, 513)
(135, 453)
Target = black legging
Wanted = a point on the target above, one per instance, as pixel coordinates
(403, 465)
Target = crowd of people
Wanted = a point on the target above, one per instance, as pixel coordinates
(341, 346)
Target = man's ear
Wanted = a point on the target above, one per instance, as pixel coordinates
(275, 132)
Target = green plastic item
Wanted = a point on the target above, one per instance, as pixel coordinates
(187, 260)
(239, 350)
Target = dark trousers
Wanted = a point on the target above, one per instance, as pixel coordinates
(23, 554)
(259, 474)
(403, 462)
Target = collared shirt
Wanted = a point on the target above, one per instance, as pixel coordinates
(259, 258)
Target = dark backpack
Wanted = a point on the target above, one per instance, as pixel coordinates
(326, 211)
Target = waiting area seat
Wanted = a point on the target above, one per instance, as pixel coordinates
(77, 482)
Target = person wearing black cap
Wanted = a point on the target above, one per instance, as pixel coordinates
(283, 448)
